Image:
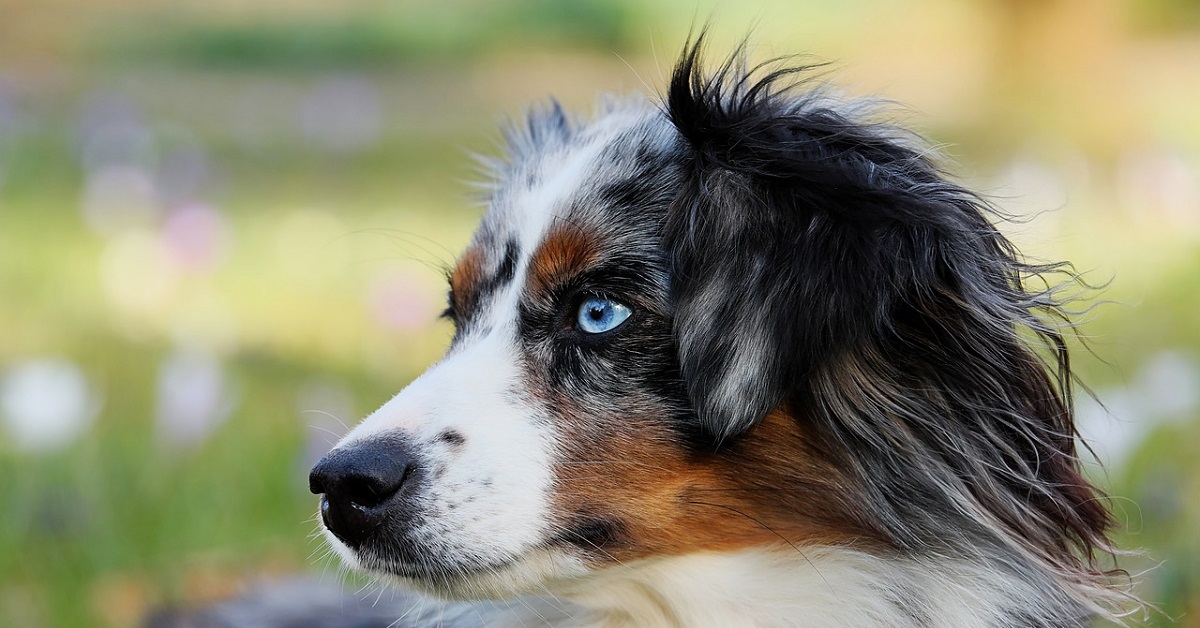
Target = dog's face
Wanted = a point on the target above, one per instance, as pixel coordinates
(743, 319)
(557, 435)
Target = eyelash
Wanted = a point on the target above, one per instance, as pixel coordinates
(569, 297)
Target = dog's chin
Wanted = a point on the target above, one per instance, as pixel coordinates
(447, 578)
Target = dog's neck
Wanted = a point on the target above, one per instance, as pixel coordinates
(809, 587)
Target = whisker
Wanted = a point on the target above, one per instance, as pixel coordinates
(328, 414)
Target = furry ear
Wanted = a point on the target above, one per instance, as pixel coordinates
(826, 265)
(796, 230)
(541, 128)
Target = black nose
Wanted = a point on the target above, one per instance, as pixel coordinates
(359, 483)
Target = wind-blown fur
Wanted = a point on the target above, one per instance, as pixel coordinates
(895, 320)
(840, 397)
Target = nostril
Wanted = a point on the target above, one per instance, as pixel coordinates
(372, 490)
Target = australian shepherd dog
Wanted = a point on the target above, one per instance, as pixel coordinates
(739, 357)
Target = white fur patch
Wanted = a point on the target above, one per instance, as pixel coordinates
(488, 498)
(825, 587)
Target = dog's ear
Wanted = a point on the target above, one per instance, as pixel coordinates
(796, 230)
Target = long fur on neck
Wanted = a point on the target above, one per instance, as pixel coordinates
(904, 330)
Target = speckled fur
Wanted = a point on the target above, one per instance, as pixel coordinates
(838, 401)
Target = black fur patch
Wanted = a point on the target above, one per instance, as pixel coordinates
(825, 263)
(451, 437)
(508, 264)
(592, 534)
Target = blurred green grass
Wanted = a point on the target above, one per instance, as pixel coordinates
(119, 508)
(120, 504)
(372, 36)
(317, 233)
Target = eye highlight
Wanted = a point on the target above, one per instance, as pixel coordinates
(597, 315)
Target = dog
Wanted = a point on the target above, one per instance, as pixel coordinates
(739, 357)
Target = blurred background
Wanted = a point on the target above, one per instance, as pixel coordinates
(224, 227)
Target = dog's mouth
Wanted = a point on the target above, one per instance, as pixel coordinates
(432, 572)
(457, 574)
(473, 579)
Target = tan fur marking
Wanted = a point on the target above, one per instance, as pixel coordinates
(770, 489)
(566, 251)
(466, 275)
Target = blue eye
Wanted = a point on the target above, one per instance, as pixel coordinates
(598, 315)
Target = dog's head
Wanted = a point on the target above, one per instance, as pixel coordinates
(740, 319)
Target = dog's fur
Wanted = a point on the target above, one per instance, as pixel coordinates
(839, 399)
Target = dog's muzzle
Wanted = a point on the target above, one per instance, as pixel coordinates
(362, 486)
